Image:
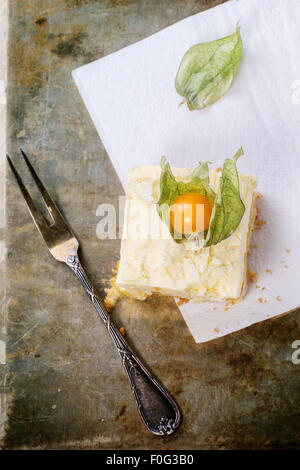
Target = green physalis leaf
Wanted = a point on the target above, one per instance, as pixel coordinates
(229, 208)
(168, 192)
(170, 189)
(168, 184)
(198, 183)
(207, 70)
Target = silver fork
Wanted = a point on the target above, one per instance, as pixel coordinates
(157, 408)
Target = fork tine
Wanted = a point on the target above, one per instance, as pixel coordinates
(53, 210)
(35, 214)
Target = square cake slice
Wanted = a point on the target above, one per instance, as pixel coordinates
(152, 262)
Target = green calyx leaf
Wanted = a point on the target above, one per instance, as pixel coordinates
(168, 184)
(207, 70)
(198, 183)
(229, 208)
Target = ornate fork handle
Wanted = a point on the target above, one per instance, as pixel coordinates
(157, 408)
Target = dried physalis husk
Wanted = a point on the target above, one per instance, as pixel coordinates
(207, 70)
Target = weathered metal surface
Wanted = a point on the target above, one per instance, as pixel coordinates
(3, 62)
(67, 387)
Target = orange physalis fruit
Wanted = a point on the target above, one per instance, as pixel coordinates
(190, 213)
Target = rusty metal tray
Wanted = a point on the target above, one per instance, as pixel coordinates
(65, 386)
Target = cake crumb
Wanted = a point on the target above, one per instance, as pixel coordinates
(113, 293)
(287, 250)
(278, 298)
(269, 271)
(285, 266)
(252, 276)
(112, 296)
(263, 288)
(215, 308)
(216, 330)
(257, 287)
(116, 269)
(259, 196)
(182, 301)
(122, 331)
(218, 169)
(259, 224)
(226, 308)
(255, 246)
(260, 300)
(265, 301)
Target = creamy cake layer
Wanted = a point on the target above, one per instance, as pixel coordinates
(152, 262)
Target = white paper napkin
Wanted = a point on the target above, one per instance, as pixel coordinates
(132, 100)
